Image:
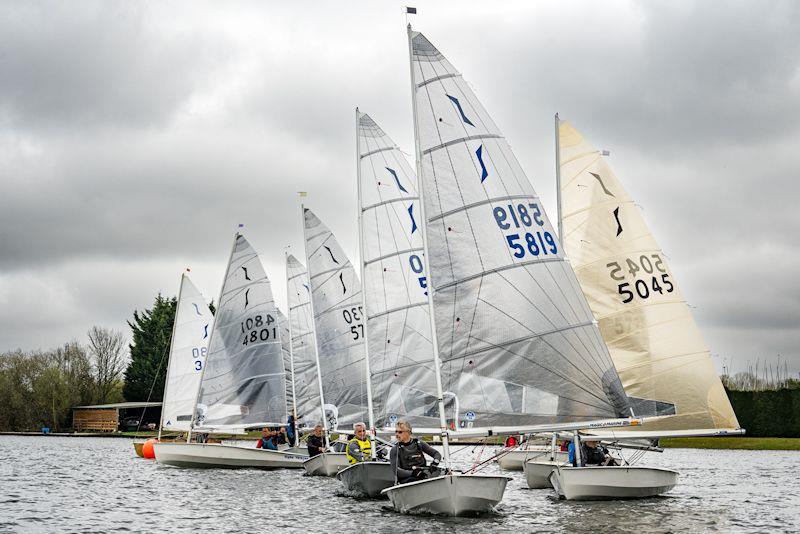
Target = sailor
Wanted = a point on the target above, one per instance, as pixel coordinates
(359, 447)
(316, 442)
(408, 456)
(595, 454)
(267, 440)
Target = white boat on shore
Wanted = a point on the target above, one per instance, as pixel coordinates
(367, 478)
(326, 464)
(453, 495)
(611, 482)
(215, 455)
(515, 460)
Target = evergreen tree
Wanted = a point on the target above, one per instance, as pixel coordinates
(149, 351)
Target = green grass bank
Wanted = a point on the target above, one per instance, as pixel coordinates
(744, 443)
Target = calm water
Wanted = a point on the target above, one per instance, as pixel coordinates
(92, 485)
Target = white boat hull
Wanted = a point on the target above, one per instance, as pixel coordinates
(515, 460)
(612, 482)
(326, 464)
(453, 495)
(537, 473)
(211, 455)
(367, 478)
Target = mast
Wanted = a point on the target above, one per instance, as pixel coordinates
(558, 182)
(420, 194)
(370, 415)
(314, 329)
(169, 359)
(211, 338)
(291, 349)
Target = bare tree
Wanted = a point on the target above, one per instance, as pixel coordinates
(107, 348)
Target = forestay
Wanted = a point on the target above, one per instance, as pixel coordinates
(306, 384)
(647, 325)
(188, 348)
(516, 337)
(395, 284)
(338, 320)
(244, 380)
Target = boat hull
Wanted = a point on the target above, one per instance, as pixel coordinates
(214, 455)
(611, 482)
(537, 473)
(515, 460)
(326, 464)
(137, 446)
(367, 478)
(453, 495)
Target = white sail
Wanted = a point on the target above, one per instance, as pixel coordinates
(187, 355)
(395, 284)
(516, 338)
(244, 380)
(306, 384)
(338, 320)
(656, 346)
(288, 364)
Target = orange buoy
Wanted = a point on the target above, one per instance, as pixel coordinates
(147, 449)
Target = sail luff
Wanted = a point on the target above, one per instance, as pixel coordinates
(558, 181)
(314, 336)
(365, 314)
(426, 263)
(169, 360)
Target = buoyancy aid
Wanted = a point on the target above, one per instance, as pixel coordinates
(410, 455)
(365, 446)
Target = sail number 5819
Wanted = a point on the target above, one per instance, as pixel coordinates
(524, 216)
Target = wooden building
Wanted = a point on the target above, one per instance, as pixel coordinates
(117, 416)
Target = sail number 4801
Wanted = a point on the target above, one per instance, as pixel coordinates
(657, 282)
(258, 328)
(524, 216)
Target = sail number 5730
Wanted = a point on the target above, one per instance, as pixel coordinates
(523, 216)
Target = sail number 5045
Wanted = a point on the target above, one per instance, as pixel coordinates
(654, 277)
(524, 216)
(259, 328)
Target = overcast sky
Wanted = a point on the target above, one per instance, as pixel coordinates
(135, 136)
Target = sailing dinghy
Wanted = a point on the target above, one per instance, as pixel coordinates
(514, 343)
(187, 354)
(337, 308)
(243, 380)
(647, 325)
(395, 311)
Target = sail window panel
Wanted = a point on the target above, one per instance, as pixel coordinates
(392, 284)
(452, 112)
(453, 178)
(391, 228)
(386, 177)
(414, 400)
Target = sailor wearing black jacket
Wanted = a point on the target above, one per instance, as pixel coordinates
(316, 442)
(408, 456)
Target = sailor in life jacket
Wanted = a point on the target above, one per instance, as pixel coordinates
(408, 456)
(359, 447)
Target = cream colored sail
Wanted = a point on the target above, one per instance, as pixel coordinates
(664, 364)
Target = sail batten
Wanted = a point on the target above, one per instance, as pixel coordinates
(654, 342)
